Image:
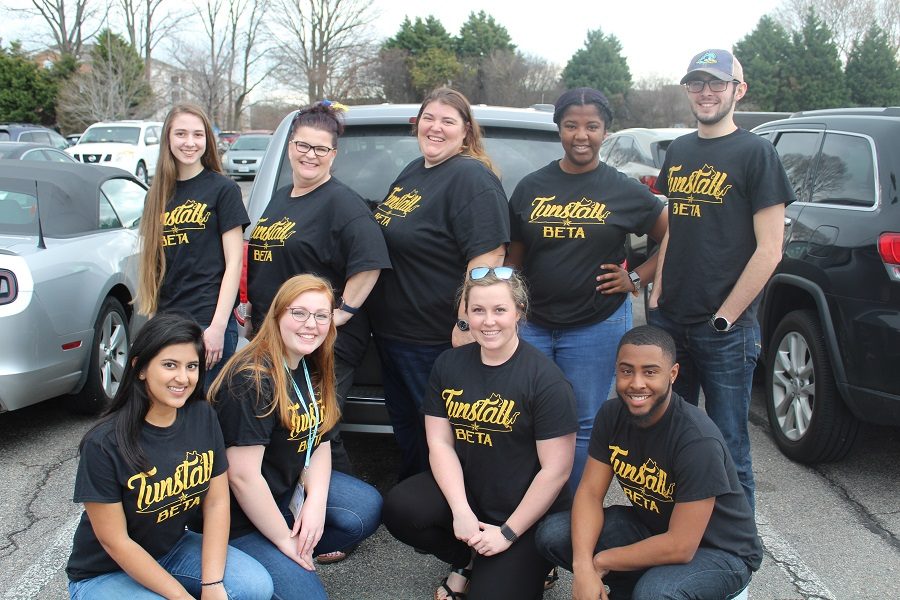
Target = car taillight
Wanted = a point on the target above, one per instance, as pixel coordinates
(9, 288)
(650, 182)
(889, 249)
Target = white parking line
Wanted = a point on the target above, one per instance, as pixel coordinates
(46, 567)
(799, 574)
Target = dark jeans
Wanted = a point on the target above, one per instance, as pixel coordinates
(405, 369)
(343, 375)
(722, 364)
(712, 574)
(231, 338)
(416, 513)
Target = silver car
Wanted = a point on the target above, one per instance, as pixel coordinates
(68, 266)
(245, 155)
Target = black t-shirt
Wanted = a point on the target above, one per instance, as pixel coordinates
(681, 458)
(714, 186)
(202, 209)
(240, 407)
(328, 232)
(497, 414)
(157, 504)
(570, 225)
(434, 221)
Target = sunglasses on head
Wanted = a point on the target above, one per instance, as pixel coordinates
(499, 272)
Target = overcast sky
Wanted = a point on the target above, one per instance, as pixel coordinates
(658, 36)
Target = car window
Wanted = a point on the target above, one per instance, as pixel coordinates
(845, 174)
(4, 136)
(17, 212)
(623, 153)
(252, 142)
(57, 156)
(659, 149)
(797, 150)
(108, 218)
(57, 141)
(126, 198)
(370, 157)
(152, 136)
(36, 155)
(112, 134)
(607, 146)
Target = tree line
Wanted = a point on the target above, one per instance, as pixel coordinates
(807, 54)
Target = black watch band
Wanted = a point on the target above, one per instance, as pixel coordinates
(347, 308)
(508, 533)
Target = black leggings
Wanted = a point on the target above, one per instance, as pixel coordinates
(416, 513)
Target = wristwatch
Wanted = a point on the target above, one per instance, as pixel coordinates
(462, 324)
(347, 308)
(635, 280)
(720, 324)
(508, 533)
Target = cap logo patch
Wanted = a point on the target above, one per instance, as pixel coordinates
(708, 59)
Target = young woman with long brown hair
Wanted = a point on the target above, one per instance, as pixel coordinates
(191, 234)
(277, 406)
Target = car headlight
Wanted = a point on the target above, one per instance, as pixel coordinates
(123, 155)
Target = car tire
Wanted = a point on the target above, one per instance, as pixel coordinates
(141, 172)
(109, 357)
(807, 415)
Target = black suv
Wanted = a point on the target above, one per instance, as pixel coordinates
(831, 313)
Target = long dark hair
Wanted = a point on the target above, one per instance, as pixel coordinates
(131, 402)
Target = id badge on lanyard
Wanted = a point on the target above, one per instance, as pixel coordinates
(312, 411)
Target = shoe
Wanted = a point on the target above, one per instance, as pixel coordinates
(451, 595)
(329, 558)
(551, 578)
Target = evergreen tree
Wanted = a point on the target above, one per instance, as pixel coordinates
(27, 91)
(872, 72)
(764, 55)
(600, 65)
(815, 78)
(481, 35)
(418, 37)
(419, 56)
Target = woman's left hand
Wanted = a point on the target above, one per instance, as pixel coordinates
(308, 529)
(214, 340)
(614, 282)
(491, 541)
(213, 592)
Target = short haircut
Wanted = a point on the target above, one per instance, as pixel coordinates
(648, 335)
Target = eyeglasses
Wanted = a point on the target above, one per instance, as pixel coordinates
(715, 85)
(303, 148)
(499, 272)
(302, 315)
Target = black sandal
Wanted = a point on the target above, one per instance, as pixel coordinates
(451, 595)
(551, 578)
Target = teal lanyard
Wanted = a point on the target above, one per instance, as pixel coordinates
(312, 410)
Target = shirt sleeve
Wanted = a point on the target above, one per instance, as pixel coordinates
(598, 447)
(480, 218)
(362, 246)
(700, 471)
(769, 181)
(554, 408)
(95, 480)
(231, 211)
(239, 405)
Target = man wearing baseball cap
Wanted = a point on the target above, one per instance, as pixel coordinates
(727, 191)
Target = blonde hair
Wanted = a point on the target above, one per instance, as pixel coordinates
(515, 283)
(152, 262)
(265, 356)
(472, 142)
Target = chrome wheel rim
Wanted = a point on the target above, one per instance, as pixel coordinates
(793, 386)
(113, 354)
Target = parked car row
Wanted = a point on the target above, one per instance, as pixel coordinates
(37, 134)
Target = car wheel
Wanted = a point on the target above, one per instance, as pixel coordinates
(806, 412)
(141, 172)
(109, 356)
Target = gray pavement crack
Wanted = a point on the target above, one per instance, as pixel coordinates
(9, 545)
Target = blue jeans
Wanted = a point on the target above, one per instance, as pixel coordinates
(231, 338)
(722, 364)
(712, 574)
(405, 369)
(587, 357)
(245, 579)
(352, 513)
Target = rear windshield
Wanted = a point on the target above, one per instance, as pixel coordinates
(370, 158)
(121, 135)
(252, 142)
(18, 213)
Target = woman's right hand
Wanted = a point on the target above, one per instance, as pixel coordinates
(465, 526)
